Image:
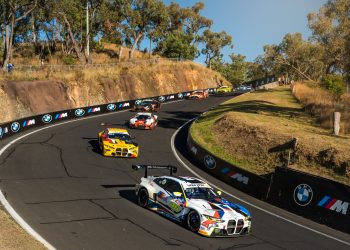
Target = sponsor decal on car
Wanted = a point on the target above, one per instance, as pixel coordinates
(93, 110)
(180, 95)
(303, 194)
(334, 204)
(46, 118)
(111, 107)
(235, 175)
(209, 162)
(15, 126)
(28, 123)
(61, 116)
(161, 98)
(79, 112)
(124, 105)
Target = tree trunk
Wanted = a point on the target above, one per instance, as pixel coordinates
(136, 41)
(150, 47)
(33, 30)
(120, 53)
(336, 123)
(8, 43)
(77, 50)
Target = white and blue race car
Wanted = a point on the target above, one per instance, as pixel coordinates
(192, 202)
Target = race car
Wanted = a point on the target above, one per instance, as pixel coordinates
(224, 89)
(144, 121)
(118, 143)
(192, 202)
(147, 105)
(199, 94)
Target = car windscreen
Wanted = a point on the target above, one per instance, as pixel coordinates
(146, 103)
(120, 136)
(200, 193)
(143, 117)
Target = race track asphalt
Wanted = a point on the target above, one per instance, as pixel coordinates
(77, 199)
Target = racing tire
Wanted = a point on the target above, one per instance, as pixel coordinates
(193, 221)
(142, 197)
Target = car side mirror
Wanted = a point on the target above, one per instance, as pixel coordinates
(219, 192)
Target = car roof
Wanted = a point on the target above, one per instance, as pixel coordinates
(188, 182)
(117, 130)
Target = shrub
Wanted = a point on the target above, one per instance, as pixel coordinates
(68, 60)
(334, 84)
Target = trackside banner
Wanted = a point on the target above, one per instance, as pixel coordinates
(317, 198)
(241, 179)
(22, 125)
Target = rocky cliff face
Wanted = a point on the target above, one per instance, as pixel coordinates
(63, 90)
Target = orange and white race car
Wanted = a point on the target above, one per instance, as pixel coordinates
(143, 121)
(199, 94)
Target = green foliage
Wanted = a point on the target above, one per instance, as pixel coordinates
(178, 45)
(333, 83)
(69, 60)
(214, 43)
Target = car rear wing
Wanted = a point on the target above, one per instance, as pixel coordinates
(172, 169)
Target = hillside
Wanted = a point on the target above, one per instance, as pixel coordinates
(27, 93)
(252, 131)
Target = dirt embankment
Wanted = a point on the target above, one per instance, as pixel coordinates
(63, 90)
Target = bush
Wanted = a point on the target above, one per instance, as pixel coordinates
(334, 84)
(68, 60)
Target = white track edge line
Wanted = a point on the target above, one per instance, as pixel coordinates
(240, 199)
(8, 206)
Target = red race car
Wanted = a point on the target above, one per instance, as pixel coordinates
(143, 121)
(147, 105)
(199, 94)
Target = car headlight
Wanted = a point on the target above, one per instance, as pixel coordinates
(208, 217)
(148, 122)
(247, 218)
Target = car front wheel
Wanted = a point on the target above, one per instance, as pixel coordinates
(142, 197)
(193, 221)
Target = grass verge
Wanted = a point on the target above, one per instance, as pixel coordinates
(252, 131)
(12, 236)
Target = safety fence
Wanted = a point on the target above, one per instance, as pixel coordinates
(313, 197)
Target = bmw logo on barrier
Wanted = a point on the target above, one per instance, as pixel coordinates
(1, 132)
(15, 127)
(137, 102)
(180, 95)
(79, 112)
(47, 118)
(111, 107)
(161, 98)
(303, 194)
(209, 162)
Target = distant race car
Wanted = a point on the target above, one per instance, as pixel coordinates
(144, 121)
(147, 105)
(191, 202)
(224, 89)
(199, 94)
(118, 143)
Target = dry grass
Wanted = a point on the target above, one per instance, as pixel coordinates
(12, 236)
(246, 130)
(321, 105)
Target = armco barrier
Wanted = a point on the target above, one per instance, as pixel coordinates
(22, 125)
(313, 197)
(241, 179)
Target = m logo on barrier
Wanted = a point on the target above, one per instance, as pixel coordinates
(28, 123)
(303, 194)
(334, 204)
(236, 176)
(60, 116)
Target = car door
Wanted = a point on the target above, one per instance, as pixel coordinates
(175, 200)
